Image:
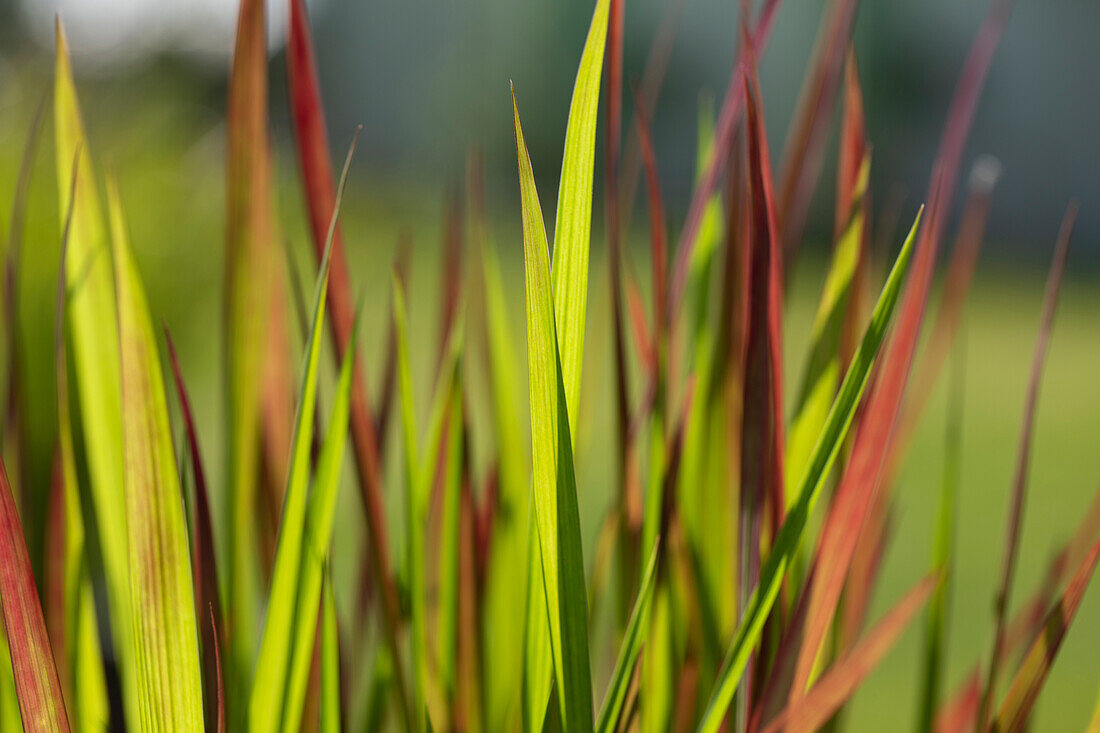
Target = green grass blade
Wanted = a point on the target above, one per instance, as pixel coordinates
(823, 368)
(165, 637)
(573, 224)
(86, 684)
(330, 663)
(629, 649)
(821, 460)
(93, 331)
(943, 555)
(270, 679)
(538, 664)
(506, 582)
(317, 536)
(555, 492)
(447, 561)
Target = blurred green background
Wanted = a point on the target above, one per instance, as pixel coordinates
(429, 79)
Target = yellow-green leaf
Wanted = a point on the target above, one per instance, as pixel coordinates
(554, 484)
(270, 681)
(165, 635)
(93, 332)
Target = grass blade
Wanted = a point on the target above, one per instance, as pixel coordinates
(317, 536)
(943, 553)
(161, 588)
(1023, 460)
(555, 492)
(203, 559)
(959, 713)
(838, 684)
(250, 257)
(574, 218)
(93, 329)
(809, 490)
(330, 663)
(762, 416)
(629, 650)
(804, 150)
(728, 117)
(37, 685)
(1025, 688)
(275, 646)
(506, 581)
(311, 141)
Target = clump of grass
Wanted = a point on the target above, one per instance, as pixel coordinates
(731, 609)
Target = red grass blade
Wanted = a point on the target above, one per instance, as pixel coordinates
(214, 633)
(36, 682)
(657, 232)
(1033, 671)
(853, 148)
(959, 713)
(960, 273)
(844, 677)
(313, 155)
(728, 117)
(203, 559)
(1023, 461)
(861, 478)
(653, 77)
(804, 151)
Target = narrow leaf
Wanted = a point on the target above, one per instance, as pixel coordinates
(93, 331)
(311, 139)
(809, 490)
(203, 559)
(555, 492)
(1023, 458)
(330, 663)
(574, 218)
(1025, 688)
(275, 648)
(629, 649)
(161, 588)
(838, 684)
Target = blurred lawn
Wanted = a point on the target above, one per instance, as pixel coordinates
(168, 156)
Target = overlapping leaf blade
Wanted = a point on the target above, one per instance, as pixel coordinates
(555, 493)
(807, 493)
(165, 635)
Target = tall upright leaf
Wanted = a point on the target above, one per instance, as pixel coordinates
(85, 685)
(935, 643)
(809, 490)
(165, 633)
(573, 224)
(554, 489)
(1023, 458)
(269, 683)
(1028, 683)
(93, 331)
(249, 259)
(311, 139)
(36, 682)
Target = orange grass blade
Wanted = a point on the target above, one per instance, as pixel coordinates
(838, 684)
(1025, 688)
(958, 714)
